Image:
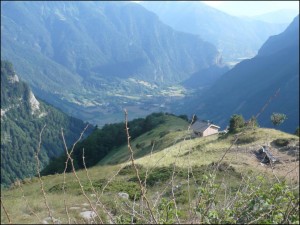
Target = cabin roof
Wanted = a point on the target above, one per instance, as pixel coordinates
(201, 126)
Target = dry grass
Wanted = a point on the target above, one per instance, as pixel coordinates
(174, 148)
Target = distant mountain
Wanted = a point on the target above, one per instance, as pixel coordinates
(288, 39)
(82, 55)
(248, 87)
(234, 37)
(280, 16)
(22, 118)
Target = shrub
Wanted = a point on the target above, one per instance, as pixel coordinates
(140, 145)
(236, 123)
(128, 169)
(163, 133)
(278, 118)
(252, 122)
(131, 188)
(281, 142)
(184, 117)
(246, 140)
(160, 174)
(167, 211)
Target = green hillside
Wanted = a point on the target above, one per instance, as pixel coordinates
(172, 140)
(103, 141)
(174, 168)
(157, 139)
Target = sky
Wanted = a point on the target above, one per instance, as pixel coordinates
(252, 8)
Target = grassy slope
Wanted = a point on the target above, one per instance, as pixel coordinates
(164, 135)
(194, 152)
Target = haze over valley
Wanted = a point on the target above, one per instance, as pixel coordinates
(138, 56)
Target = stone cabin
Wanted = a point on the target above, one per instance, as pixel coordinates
(204, 128)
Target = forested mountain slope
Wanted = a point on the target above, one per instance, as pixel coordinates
(22, 119)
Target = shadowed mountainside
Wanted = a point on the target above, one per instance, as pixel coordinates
(247, 87)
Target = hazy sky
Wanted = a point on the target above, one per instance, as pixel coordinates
(252, 8)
